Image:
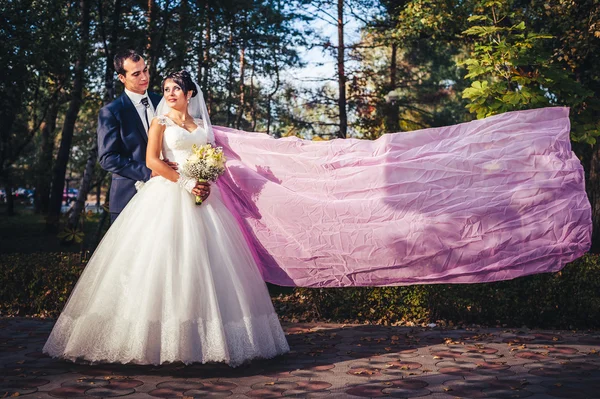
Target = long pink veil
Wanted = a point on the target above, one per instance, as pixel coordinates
(487, 200)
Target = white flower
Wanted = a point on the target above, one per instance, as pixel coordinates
(139, 185)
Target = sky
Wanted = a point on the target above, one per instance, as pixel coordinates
(319, 63)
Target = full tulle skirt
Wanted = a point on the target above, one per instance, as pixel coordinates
(171, 281)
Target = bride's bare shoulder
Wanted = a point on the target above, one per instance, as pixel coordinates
(162, 120)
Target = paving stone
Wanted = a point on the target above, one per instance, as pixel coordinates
(166, 393)
(365, 372)
(466, 388)
(309, 373)
(275, 385)
(407, 388)
(108, 392)
(264, 393)
(302, 394)
(305, 389)
(279, 374)
(531, 355)
(180, 385)
(446, 354)
(68, 392)
(547, 338)
(373, 390)
(248, 381)
(14, 388)
(86, 383)
(572, 388)
(339, 362)
(589, 340)
(492, 369)
(98, 371)
(200, 393)
(507, 389)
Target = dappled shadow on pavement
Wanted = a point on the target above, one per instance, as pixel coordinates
(328, 360)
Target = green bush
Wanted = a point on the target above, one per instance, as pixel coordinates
(39, 284)
(567, 299)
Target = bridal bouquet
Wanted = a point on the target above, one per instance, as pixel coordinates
(205, 164)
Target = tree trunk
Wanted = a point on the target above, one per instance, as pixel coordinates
(64, 150)
(99, 190)
(341, 73)
(151, 40)
(207, 66)
(11, 105)
(84, 186)
(593, 190)
(181, 43)
(110, 47)
(105, 215)
(276, 50)
(253, 112)
(6, 121)
(109, 92)
(10, 200)
(392, 117)
(155, 37)
(230, 76)
(109, 83)
(44, 173)
(200, 47)
(240, 113)
(271, 94)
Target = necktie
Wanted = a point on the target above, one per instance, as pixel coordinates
(146, 104)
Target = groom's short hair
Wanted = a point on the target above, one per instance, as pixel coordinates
(120, 58)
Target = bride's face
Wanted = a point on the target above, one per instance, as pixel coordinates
(174, 95)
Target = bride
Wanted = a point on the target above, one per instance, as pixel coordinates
(171, 281)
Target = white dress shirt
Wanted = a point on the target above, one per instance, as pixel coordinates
(141, 108)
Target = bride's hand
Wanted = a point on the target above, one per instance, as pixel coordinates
(202, 189)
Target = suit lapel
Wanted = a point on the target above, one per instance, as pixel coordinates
(132, 113)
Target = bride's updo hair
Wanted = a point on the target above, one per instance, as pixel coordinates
(183, 80)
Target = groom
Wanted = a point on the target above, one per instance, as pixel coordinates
(123, 133)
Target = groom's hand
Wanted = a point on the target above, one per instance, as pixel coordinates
(172, 165)
(202, 189)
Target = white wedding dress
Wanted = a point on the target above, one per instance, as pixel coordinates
(171, 281)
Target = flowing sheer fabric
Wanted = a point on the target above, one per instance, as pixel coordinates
(487, 200)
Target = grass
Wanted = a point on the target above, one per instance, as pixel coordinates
(26, 233)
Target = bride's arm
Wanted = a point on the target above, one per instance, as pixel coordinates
(153, 161)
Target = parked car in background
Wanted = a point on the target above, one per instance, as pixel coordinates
(21, 193)
(70, 194)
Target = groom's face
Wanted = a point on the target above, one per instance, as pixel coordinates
(136, 78)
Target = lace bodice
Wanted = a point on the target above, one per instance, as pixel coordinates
(178, 142)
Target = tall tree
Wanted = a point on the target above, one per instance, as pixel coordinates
(341, 71)
(32, 54)
(44, 164)
(109, 45)
(62, 158)
(530, 56)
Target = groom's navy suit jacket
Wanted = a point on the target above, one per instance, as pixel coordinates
(122, 142)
